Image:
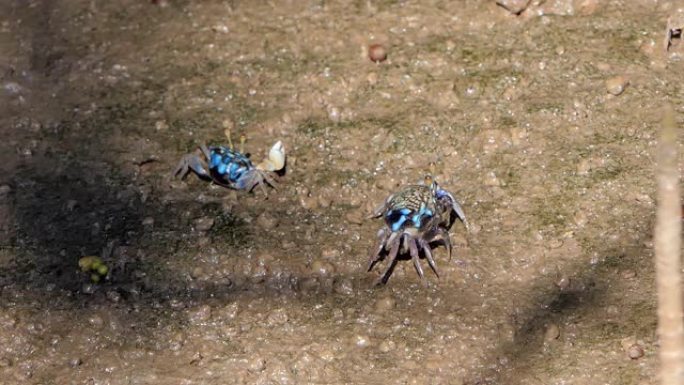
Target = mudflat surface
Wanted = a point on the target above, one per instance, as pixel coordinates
(543, 125)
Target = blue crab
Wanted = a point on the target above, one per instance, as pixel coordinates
(231, 168)
(414, 217)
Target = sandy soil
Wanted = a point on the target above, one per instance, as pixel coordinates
(543, 125)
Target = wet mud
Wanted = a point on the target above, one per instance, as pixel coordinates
(542, 123)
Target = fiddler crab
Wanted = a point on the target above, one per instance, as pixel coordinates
(414, 217)
(231, 168)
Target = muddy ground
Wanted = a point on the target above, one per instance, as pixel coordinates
(543, 125)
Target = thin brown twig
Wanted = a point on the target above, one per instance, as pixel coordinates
(667, 256)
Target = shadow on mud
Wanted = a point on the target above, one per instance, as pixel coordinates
(582, 295)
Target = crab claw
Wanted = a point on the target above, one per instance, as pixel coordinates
(275, 160)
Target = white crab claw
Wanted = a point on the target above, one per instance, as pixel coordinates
(275, 160)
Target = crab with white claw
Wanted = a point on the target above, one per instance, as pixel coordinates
(231, 168)
(414, 217)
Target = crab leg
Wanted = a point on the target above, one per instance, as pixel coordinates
(459, 212)
(377, 248)
(428, 254)
(190, 162)
(392, 256)
(443, 235)
(413, 249)
(269, 180)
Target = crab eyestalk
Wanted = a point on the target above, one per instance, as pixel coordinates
(275, 160)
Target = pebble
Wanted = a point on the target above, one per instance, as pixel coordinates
(74, 362)
(113, 296)
(385, 304)
(387, 346)
(5, 362)
(12, 88)
(204, 223)
(344, 286)
(148, 222)
(277, 317)
(229, 311)
(361, 340)
(308, 285)
(161, 125)
(490, 179)
(377, 53)
(96, 321)
(355, 216)
(580, 218)
(628, 274)
(563, 282)
(635, 351)
(583, 167)
(4, 190)
(322, 267)
(554, 243)
(552, 332)
(616, 85)
(267, 221)
(257, 364)
(199, 314)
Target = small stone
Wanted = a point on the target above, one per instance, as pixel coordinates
(583, 167)
(203, 241)
(177, 341)
(361, 341)
(309, 285)
(377, 53)
(372, 78)
(96, 321)
(563, 282)
(257, 364)
(554, 243)
(635, 351)
(616, 85)
(267, 221)
(627, 342)
(628, 274)
(148, 222)
(88, 288)
(74, 362)
(199, 314)
(385, 304)
(71, 205)
(491, 179)
(322, 267)
(277, 317)
(204, 223)
(228, 125)
(113, 296)
(309, 202)
(324, 201)
(330, 253)
(387, 346)
(161, 125)
(355, 217)
(612, 310)
(552, 332)
(344, 286)
(643, 198)
(4, 190)
(5, 362)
